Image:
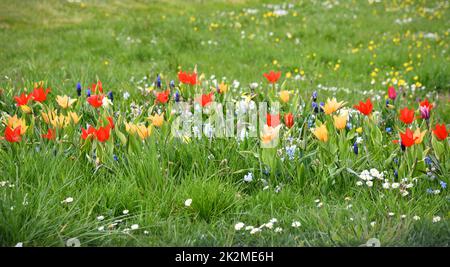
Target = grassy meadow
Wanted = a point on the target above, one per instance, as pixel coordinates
(153, 189)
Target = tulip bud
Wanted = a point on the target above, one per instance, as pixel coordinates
(88, 92)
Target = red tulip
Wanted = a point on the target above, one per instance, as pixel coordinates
(11, 135)
(39, 94)
(163, 97)
(96, 86)
(440, 131)
(50, 135)
(273, 120)
(408, 138)
(289, 120)
(392, 93)
(365, 108)
(102, 133)
(187, 78)
(407, 115)
(111, 122)
(272, 77)
(89, 132)
(205, 99)
(22, 99)
(95, 100)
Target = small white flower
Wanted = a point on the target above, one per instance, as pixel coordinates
(101, 218)
(248, 228)
(188, 202)
(126, 95)
(373, 223)
(403, 216)
(146, 232)
(374, 172)
(125, 212)
(67, 200)
(278, 230)
(248, 177)
(359, 183)
(134, 226)
(296, 224)
(255, 230)
(317, 200)
(436, 219)
(416, 218)
(386, 185)
(395, 185)
(391, 214)
(73, 242)
(106, 102)
(101, 228)
(320, 205)
(273, 220)
(369, 183)
(238, 226)
(19, 245)
(269, 225)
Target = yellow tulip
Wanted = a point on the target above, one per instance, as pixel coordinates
(48, 116)
(130, 128)
(142, 131)
(284, 96)
(340, 121)
(321, 133)
(74, 117)
(14, 122)
(60, 121)
(65, 101)
(157, 120)
(332, 105)
(269, 133)
(419, 135)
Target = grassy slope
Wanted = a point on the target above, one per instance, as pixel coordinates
(65, 43)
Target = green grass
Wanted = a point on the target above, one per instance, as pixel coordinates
(120, 42)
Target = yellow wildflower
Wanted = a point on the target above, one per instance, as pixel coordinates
(223, 88)
(26, 109)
